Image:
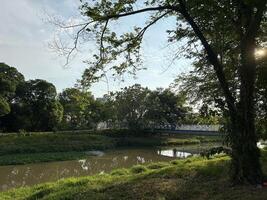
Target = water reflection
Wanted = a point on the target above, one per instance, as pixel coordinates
(174, 153)
(24, 175)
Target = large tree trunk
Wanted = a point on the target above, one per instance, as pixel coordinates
(246, 155)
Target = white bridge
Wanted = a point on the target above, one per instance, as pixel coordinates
(183, 128)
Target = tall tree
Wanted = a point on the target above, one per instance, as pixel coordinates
(164, 106)
(9, 79)
(76, 104)
(131, 106)
(34, 108)
(201, 24)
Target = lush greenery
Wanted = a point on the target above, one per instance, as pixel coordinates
(193, 178)
(44, 147)
(34, 105)
(9, 79)
(136, 107)
(222, 37)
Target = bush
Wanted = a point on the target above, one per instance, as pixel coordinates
(138, 169)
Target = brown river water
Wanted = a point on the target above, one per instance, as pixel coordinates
(13, 176)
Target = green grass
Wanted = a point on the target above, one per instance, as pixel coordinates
(167, 140)
(44, 147)
(191, 179)
(18, 159)
(58, 142)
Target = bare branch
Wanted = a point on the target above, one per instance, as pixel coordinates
(76, 39)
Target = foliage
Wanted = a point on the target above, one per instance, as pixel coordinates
(137, 107)
(34, 108)
(75, 104)
(166, 107)
(82, 110)
(4, 107)
(9, 79)
(130, 105)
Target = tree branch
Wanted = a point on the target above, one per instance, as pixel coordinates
(212, 56)
(159, 8)
(76, 39)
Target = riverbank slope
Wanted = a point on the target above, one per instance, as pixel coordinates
(191, 179)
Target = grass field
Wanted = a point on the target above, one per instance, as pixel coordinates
(191, 179)
(44, 147)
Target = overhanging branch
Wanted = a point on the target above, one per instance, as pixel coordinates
(114, 16)
(212, 56)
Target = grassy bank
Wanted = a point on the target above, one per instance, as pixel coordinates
(194, 178)
(20, 159)
(44, 147)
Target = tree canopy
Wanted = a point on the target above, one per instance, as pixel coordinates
(75, 104)
(9, 80)
(136, 107)
(34, 107)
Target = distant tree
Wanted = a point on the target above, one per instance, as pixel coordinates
(9, 79)
(164, 106)
(34, 107)
(138, 107)
(77, 110)
(104, 110)
(130, 106)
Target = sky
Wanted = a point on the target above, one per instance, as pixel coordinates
(25, 36)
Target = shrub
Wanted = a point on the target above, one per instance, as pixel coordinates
(138, 169)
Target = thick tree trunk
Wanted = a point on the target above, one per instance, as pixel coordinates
(246, 155)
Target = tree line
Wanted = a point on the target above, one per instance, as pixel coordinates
(34, 105)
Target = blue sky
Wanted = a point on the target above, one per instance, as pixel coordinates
(25, 37)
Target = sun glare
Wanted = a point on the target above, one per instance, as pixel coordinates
(259, 53)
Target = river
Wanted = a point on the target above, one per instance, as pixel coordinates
(13, 176)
